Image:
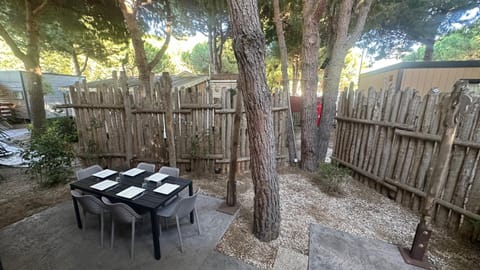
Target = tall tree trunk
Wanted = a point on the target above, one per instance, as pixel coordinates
(31, 61)
(429, 43)
(166, 89)
(218, 55)
(129, 11)
(249, 46)
(76, 63)
(292, 153)
(331, 80)
(212, 44)
(32, 66)
(312, 11)
(346, 34)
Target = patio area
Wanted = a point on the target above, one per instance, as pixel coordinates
(52, 240)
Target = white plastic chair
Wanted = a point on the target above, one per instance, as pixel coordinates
(172, 171)
(91, 204)
(87, 172)
(149, 167)
(123, 214)
(178, 209)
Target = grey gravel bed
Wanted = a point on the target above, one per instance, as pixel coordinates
(362, 212)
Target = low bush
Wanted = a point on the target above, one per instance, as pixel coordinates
(332, 178)
(50, 154)
(65, 127)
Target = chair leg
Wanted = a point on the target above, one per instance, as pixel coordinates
(112, 234)
(133, 239)
(159, 228)
(101, 229)
(197, 220)
(179, 233)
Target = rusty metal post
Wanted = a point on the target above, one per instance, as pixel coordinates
(453, 106)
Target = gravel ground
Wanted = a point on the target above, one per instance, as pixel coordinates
(361, 211)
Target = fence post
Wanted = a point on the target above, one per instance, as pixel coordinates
(128, 119)
(453, 107)
(166, 89)
(231, 184)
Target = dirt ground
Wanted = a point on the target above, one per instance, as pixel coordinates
(20, 196)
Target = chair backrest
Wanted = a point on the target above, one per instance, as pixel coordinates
(185, 205)
(149, 167)
(120, 211)
(172, 171)
(87, 172)
(89, 203)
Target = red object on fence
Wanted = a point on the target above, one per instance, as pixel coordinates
(319, 112)
(296, 105)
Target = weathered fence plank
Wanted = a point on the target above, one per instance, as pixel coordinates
(390, 137)
(119, 126)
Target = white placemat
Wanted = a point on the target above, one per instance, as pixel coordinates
(166, 188)
(133, 172)
(104, 185)
(105, 173)
(130, 192)
(157, 177)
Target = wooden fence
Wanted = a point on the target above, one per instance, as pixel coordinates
(389, 138)
(116, 120)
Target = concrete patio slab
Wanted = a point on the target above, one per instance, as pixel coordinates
(288, 259)
(332, 249)
(52, 240)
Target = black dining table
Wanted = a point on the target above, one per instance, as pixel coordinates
(149, 201)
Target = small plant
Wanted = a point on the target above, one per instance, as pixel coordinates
(66, 127)
(50, 155)
(332, 178)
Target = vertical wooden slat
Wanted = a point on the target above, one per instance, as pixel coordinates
(128, 121)
(458, 155)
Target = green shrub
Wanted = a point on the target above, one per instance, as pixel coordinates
(65, 127)
(332, 178)
(50, 155)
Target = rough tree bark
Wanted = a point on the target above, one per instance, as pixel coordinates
(216, 35)
(292, 152)
(429, 43)
(249, 47)
(312, 12)
(31, 61)
(129, 10)
(346, 34)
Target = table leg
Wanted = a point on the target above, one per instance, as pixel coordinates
(190, 192)
(77, 213)
(155, 234)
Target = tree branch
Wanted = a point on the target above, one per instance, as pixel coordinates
(38, 9)
(11, 43)
(84, 65)
(360, 24)
(343, 19)
(168, 32)
(319, 8)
